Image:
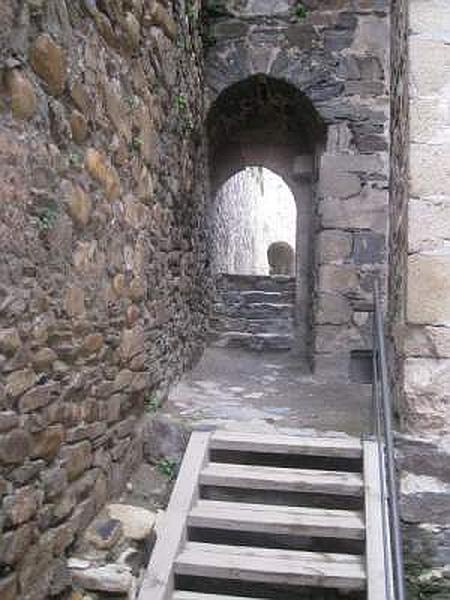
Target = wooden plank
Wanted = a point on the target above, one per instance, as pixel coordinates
(267, 565)
(287, 444)
(158, 581)
(375, 561)
(287, 520)
(180, 595)
(280, 479)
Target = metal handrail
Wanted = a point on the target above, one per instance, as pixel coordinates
(383, 431)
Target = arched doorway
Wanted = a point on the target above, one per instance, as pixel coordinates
(268, 123)
(252, 211)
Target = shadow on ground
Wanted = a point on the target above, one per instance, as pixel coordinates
(253, 389)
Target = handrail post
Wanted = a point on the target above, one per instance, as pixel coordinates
(384, 411)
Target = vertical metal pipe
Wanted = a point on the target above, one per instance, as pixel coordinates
(396, 533)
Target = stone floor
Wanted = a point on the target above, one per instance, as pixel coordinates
(257, 389)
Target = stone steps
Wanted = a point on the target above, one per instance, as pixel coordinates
(253, 312)
(256, 311)
(259, 342)
(252, 325)
(263, 283)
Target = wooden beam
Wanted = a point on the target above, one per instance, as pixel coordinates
(158, 581)
(267, 565)
(280, 479)
(339, 447)
(278, 520)
(375, 543)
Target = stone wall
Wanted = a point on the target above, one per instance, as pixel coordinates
(420, 290)
(231, 226)
(427, 337)
(103, 257)
(326, 64)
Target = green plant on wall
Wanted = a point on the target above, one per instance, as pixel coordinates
(191, 9)
(151, 402)
(168, 466)
(47, 216)
(420, 588)
(181, 102)
(216, 9)
(300, 11)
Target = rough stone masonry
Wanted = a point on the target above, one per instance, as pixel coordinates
(105, 113)
(102, 266)
(324, 129)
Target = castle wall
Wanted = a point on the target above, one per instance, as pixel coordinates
(336, 54)
(102, 271)
(420, 284)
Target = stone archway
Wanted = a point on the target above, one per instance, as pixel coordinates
(267, 122)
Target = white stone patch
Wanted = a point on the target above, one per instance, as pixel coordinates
(137, 523)
(417, 484)
(112, 578)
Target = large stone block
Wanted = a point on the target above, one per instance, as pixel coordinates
(427, 395)
(334, 246)
(368, 248)
(429, 289)
(338, 184)
(338, 278)
(335, 339)
(77, 458)
(428, 167)
(429, 66)
(366, 211)
(22, 506)
(430, 21)
(429, 224)
(49, 61)
(427, 341)
(427, 116)
(424, 499)
(333, 309)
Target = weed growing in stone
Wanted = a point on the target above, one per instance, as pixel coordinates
(136, 144)
(168, 466)
(152, 403)
(47, 217)
(76, 159)
(181, 102)
(300, 11)
(216, 9)
(191, 10)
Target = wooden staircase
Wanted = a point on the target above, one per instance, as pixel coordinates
(271, 516)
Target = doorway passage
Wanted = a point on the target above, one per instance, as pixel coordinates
(253, 223)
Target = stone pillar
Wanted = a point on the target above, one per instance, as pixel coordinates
(302, 175)
(421, 314)
(350, 251)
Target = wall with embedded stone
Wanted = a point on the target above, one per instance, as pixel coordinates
(324, 69)
(420, 285)
(103, 256)
(427, 336)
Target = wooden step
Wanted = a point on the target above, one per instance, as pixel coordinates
(287, 444)
(280, 520)
(280, 479)
(180, 595)
(267, 565)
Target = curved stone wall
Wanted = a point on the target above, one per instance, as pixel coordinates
(103, 265)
